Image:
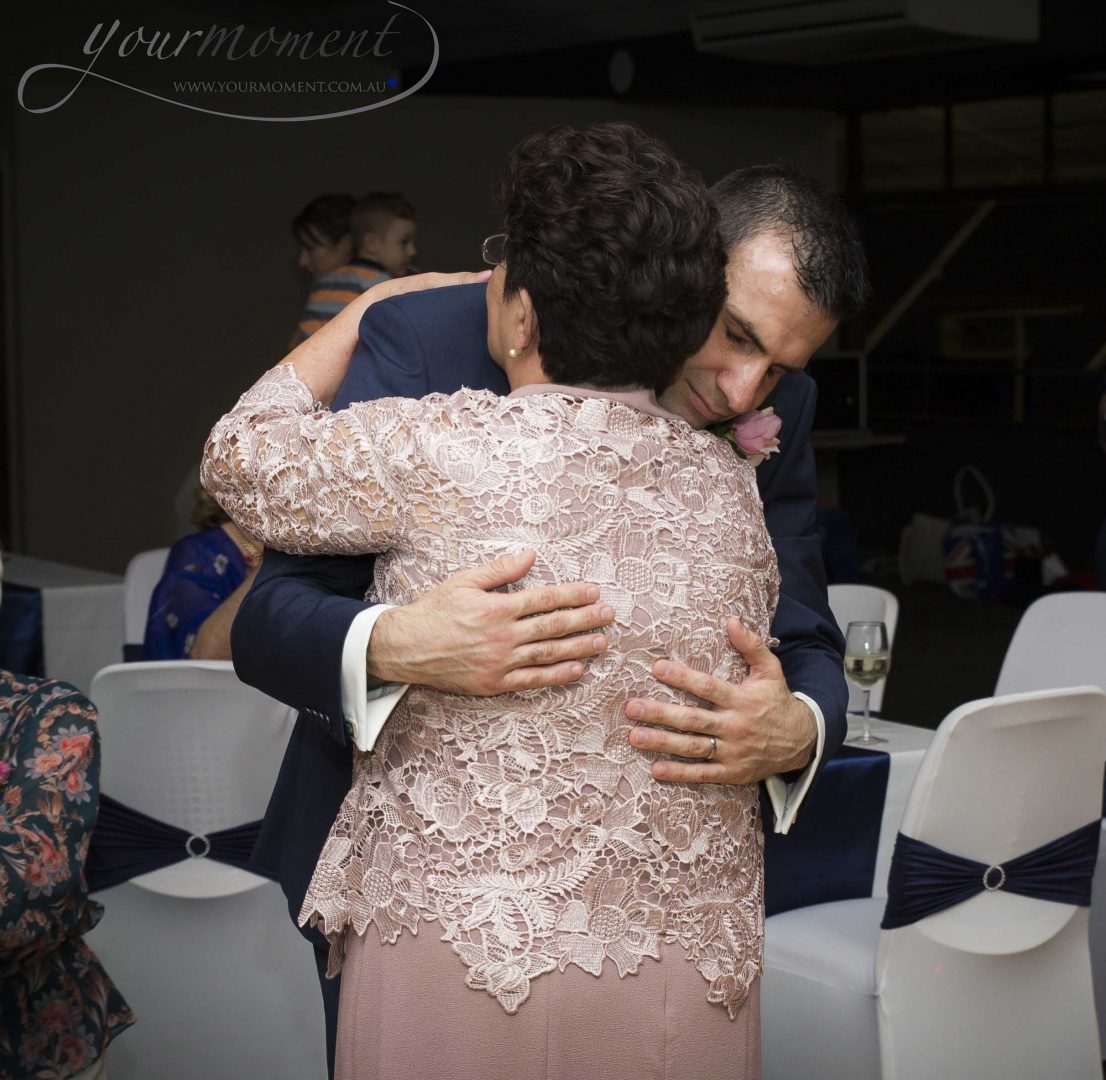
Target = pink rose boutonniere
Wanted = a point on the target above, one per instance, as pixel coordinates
(754, 434)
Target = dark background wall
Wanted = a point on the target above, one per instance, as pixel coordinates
(155, 271)
(956, 400)
(149, 272)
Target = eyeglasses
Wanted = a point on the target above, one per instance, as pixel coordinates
(494, 249)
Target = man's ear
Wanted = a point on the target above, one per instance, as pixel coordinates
(527, 321)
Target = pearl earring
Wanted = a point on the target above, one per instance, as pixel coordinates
(513, 353)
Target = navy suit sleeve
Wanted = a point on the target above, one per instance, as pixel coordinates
(388, 360)
(288, 635)
(811, 647)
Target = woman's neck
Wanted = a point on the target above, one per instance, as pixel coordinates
(251, 549)
(525, 371)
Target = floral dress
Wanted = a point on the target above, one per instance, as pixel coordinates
(202, 570)
(58, 1008)
(526, 826)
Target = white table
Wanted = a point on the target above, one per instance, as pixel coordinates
(841, 844)
(82, 616)
(907, 746)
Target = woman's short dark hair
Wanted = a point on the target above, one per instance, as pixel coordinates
(324, 218)
(617, 244)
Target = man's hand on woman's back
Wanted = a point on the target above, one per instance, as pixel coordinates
(465, 638)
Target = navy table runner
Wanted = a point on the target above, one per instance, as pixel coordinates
(21, 631)
(830, 852)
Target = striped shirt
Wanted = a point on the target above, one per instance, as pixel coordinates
(333, 291)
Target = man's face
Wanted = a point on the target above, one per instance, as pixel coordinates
(767, 328)
(393, 246)
(319, 255)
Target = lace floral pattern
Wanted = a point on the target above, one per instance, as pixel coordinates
(526, 825)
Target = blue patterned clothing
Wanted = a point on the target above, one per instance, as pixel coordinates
(202, 570)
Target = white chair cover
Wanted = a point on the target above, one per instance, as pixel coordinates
(189, 744)
(1061, 641)
(865, 603)
(998, 986)
(142, 575)
(222, 983)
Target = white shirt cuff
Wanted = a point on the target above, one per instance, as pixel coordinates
(787, 798)
(365, 710)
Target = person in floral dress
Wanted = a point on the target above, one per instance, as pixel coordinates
(58, 1007)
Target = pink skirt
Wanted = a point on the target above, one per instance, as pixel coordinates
(406, 1014)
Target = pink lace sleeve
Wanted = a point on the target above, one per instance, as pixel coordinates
(309, 481)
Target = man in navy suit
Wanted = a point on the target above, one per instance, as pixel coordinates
(305, 636)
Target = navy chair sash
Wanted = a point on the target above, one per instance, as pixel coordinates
(925, 880)
(126, 843)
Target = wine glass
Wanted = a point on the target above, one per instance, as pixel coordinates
(867, 661)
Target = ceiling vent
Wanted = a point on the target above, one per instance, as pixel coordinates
(842, 31)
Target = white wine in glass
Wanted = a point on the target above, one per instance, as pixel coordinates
(867, 662)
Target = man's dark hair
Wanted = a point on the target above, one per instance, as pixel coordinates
(324, 218)
(826, 248)
(616, 242)
(372, 212)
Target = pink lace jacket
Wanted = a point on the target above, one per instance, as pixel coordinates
(526, 825)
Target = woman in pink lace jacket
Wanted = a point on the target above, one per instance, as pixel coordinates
(518, 845)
